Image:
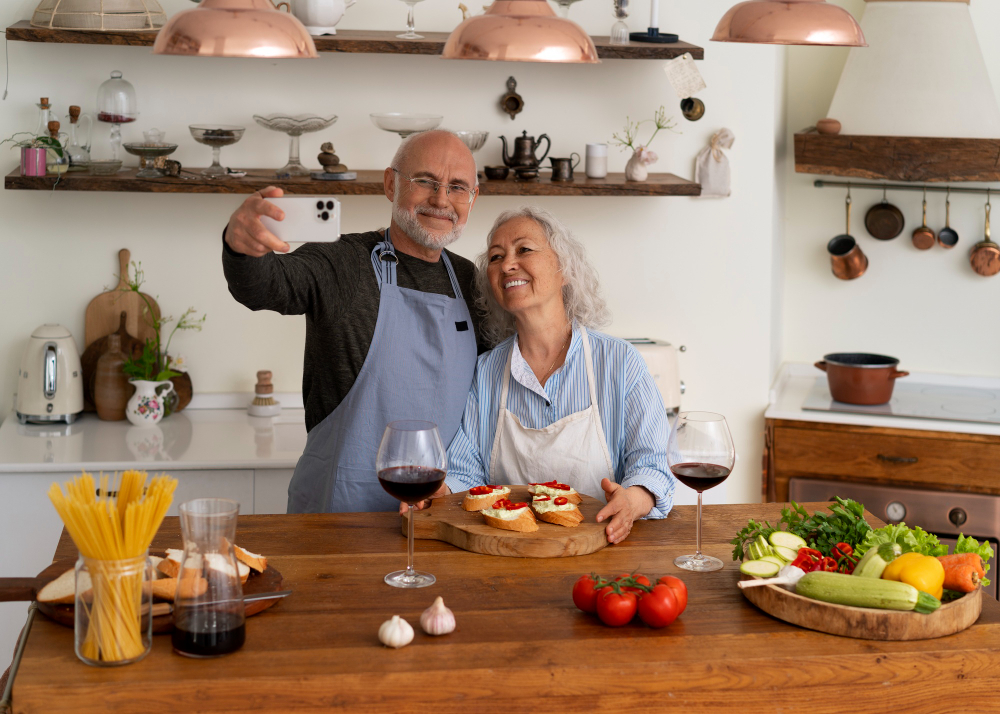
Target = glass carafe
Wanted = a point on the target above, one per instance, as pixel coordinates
(209, 615)
(79, 142)
(45, 115)
(116, 105)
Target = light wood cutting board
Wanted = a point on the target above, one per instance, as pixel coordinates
(863, 622)
(445, 520)
(104, 311)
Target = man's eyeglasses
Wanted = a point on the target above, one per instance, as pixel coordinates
(429, 187)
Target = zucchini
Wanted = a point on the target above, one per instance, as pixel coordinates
(774, 559)
(874, 562)
(865, 592)
(787, 540)
(786, 554)
(759, 548)
(761, 568)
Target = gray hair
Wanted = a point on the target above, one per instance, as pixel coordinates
(581, 293)
(406, 146)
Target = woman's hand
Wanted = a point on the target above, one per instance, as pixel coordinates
(443, 491)
(625, 505)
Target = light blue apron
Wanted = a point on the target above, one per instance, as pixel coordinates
(419, 366)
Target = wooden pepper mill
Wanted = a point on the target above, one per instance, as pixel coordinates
(111, 388)
(264, 404)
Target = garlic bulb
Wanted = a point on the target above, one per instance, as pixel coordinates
(437, 619)
(395, 632)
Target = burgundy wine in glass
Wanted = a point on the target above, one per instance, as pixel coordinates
(701, 455)
(411, 466)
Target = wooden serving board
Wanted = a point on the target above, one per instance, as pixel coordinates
(863, 622)
(15, 589)
(445, 520)
(104, 311)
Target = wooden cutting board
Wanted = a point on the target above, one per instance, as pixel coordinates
(445, 520)
(104, 311)
(862, 622)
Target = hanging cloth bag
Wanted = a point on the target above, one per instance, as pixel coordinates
(712, 166)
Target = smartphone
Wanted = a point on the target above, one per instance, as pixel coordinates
(308, 219)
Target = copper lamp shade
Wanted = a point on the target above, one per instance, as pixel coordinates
(235, 28)
(520, 31)
(790, 22)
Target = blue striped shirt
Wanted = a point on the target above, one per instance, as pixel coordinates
(632, 413)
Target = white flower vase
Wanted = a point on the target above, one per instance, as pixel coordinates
(635, 169)
(145, 408)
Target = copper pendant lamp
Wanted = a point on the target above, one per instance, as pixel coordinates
(235, 28)
(520, 31)
(790, 22)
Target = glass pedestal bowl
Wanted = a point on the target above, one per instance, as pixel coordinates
(216, 136)
(148, 153)
(406, 124)
(474, 140)
(295, 126)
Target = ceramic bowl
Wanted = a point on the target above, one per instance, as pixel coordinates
(473, 139)
(496, 173)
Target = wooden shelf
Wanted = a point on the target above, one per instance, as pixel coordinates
(368, 183)
(368, 41)
(897, 158)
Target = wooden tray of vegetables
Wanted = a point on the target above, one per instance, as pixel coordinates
(834, 573)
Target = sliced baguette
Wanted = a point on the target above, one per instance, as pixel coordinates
(166, 588)
(62, 590)
(570, 519)
(486, 500)
(257, 562)
(572, 496)
(171, 565)
(525, 523)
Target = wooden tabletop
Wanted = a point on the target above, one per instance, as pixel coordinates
(520, 643)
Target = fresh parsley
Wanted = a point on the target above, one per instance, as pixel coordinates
(844, 524)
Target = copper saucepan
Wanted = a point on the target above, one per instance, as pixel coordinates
(923, 237)
(860, 378)
(947, 236)
(884, 221)
(985, 255)
(846, 259)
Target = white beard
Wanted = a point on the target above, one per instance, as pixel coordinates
(420, 235)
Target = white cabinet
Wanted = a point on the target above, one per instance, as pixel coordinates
(233, 484)
(270, 490)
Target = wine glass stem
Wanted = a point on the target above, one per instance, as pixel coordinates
(293, 150)
(409, 544)
(697, 550)
(410, 25)
(216, 150)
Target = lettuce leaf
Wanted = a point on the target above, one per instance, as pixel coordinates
(971, 545)
(910, 539)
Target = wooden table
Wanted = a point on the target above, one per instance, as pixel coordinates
(520, 644)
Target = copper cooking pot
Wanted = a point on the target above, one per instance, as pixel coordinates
(860, 378)
(985, 255)
(923, 237)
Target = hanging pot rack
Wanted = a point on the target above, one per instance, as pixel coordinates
(821, 183)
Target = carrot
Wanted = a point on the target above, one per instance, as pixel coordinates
(972, 559)
(962, 578)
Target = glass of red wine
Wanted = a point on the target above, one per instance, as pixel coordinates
(411, 466)
(701, 455)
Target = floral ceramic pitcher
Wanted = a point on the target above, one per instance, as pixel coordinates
(145, 408)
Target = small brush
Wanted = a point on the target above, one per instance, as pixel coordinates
(263, 403)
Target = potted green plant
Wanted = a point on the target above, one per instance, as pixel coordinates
(155, 366)
(34, 151)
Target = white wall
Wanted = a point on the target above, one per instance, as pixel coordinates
(927, 308)
(697, 272)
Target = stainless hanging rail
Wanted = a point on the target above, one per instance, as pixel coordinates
(820, 183)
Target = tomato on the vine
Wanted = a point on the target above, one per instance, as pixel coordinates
(659, 607)
(680, 591)
(640, 579)
(616, 609)
(584, 595)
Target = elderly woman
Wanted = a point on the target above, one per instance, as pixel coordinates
(554, 399)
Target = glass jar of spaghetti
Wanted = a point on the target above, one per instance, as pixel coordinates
(112, 614)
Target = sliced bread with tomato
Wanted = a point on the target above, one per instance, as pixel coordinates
(482, 497)
(558, 510)
(555, 489)
(511, 516)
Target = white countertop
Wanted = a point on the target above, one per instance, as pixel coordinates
(795, 381)
(191, 439)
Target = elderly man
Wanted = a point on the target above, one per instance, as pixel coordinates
(389, 329)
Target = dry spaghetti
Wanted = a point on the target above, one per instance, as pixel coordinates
(113, 535)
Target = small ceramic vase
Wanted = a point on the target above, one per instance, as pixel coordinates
(145, 408)
(111, 387)
(635, 169)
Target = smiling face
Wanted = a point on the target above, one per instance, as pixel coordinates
(523, 270)
(431, 219)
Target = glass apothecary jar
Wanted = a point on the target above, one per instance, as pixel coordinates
(113, 621)
(116, 105)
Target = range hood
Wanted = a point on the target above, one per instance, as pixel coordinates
(922, 75)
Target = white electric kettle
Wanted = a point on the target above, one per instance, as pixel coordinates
(50, 381)
(320, 16)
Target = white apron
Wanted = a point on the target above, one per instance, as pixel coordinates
(573, 450)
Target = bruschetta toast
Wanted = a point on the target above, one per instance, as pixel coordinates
(511, 517)
(482, 497)
(555, 489)
(558, 510)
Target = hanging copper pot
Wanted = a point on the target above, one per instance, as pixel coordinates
(985, 255)
(947, 236)
(846, 259)
(923, 237)
(884, 221)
